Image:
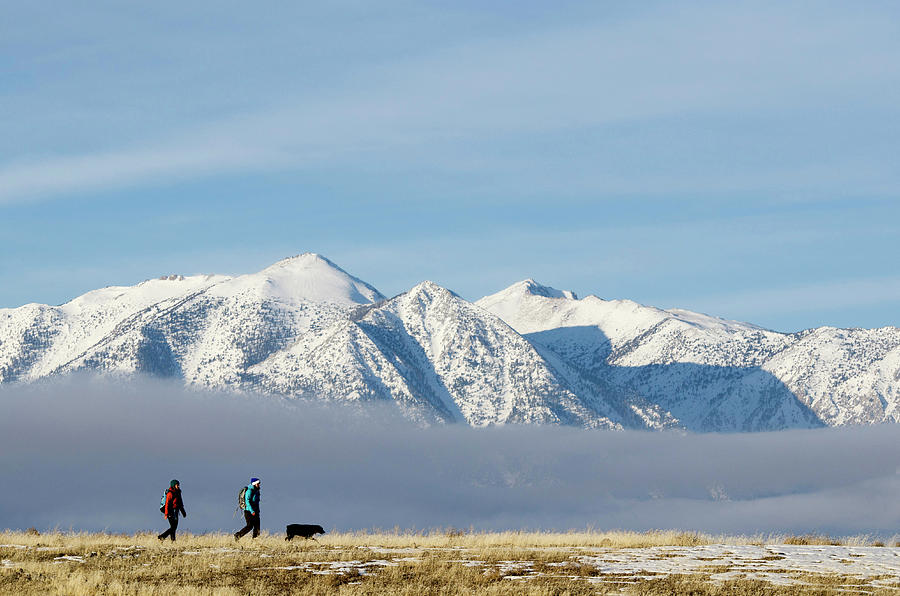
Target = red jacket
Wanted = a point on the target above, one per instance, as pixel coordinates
(174, 503)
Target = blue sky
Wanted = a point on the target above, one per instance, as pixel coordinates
(739, 159)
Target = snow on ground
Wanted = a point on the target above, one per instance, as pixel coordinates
(776, 564)
(342, 567)
(770, 563)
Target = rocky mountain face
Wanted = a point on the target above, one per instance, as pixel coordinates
(529, 354)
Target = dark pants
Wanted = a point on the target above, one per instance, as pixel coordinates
(252, 524)
(173, 525)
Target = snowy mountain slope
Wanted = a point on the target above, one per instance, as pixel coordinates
(489, 371)
(846, 376)
(438, 356)
(709, 373)
(49, 337)
(203, 328)
(26, 333)
(248, 318)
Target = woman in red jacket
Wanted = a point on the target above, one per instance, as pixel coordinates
(173, 505)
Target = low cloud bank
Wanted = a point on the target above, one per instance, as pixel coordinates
(90, 454)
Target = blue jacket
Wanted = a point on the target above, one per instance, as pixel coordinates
(251, 499)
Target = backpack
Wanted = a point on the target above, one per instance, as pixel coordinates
(242, 503)
(162, 502)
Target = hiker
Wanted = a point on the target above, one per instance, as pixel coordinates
(170, 509)
(250, 505)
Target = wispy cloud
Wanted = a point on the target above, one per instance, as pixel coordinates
(440, 109)
(71, 175)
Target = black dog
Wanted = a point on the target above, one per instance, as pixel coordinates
(303, 530)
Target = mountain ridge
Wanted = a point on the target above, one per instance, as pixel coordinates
(528, 354)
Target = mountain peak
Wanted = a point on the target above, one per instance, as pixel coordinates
(533, 288)
(528, 287)
(308, 276)
(431, 289)
(303, 260)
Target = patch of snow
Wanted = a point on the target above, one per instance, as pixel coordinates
(766, 563)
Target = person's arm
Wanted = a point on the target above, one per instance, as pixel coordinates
(181, 504)
(248, 502)
(169, 503)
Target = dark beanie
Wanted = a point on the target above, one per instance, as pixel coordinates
(173, 483)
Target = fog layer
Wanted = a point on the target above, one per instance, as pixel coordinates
(88, 454)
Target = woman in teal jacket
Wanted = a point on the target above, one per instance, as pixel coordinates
(251, 510)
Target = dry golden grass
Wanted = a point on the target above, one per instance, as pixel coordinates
(436, 562)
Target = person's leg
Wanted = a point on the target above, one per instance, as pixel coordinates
(173, 525)
(249, 520)
(256, 525)
(171, 531)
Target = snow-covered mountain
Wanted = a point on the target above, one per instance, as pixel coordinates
(207, 329)
(709, 373)
(440, 357)
(529, 354)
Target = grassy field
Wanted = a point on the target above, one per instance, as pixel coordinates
(445, 562)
